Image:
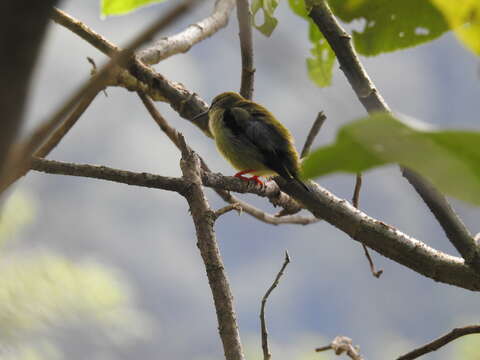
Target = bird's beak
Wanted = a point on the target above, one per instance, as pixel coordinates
(198, 116)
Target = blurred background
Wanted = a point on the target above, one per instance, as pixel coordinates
(109, 271)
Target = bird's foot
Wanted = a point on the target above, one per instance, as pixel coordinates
(244, 178)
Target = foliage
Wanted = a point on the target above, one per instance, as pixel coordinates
(267, 7)
(464, 18)
(382, 139)
(389, 25)
(16, 213)
(119, 7)
(320, 65)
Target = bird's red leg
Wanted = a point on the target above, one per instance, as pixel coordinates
(253, 178)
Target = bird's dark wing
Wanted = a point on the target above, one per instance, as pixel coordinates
(255, 130)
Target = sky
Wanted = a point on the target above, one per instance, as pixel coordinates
(147, 236)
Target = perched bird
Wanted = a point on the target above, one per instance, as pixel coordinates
(252, 139)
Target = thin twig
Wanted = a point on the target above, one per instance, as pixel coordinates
(369, 96)
(62, 130)
(204, 219)
(193, 34)
(317, 125)
(266, 351)
(228, 208)
(340, 345)
(441, 341)
(355, 202)
(244, 17)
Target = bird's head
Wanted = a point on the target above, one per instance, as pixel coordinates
(223, 101)
(226, 100)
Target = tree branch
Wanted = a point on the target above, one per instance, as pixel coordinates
(105, 173)
(266, 351)
(383, 238)
(142, 77)
(340, 345)
(355, 201)
(441, 341)
(371, 99)
(246, 47)
(204, 219)
(65, 127)
(183, 41)
(317, 125)
(452, 225)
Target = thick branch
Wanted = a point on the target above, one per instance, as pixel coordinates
(371, 99)
(441, 341)
(453, 226)
(183, 41)
(377, 235)
(246, 47)
(383, 238)
(204, 219)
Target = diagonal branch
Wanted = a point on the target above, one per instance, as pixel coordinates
(341, 44)
(184, 40)
(441, 341)
(246, 47)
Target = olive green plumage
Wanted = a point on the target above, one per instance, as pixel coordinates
(251, 138)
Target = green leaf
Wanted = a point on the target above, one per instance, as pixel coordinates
(449, 159)
(391, 24)
(320, 64)
(269, 21)
(119, 7)
(463, 16)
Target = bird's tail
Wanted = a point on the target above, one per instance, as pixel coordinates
(302, 183)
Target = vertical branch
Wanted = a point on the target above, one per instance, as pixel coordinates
(246, 46)
(204, 219)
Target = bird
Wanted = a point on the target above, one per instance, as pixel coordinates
(252, 140)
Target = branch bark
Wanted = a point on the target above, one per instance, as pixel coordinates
(441, 341)
(341, 44)
(244, 17)
(383, 238)
(184, 40)
(204, 219)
